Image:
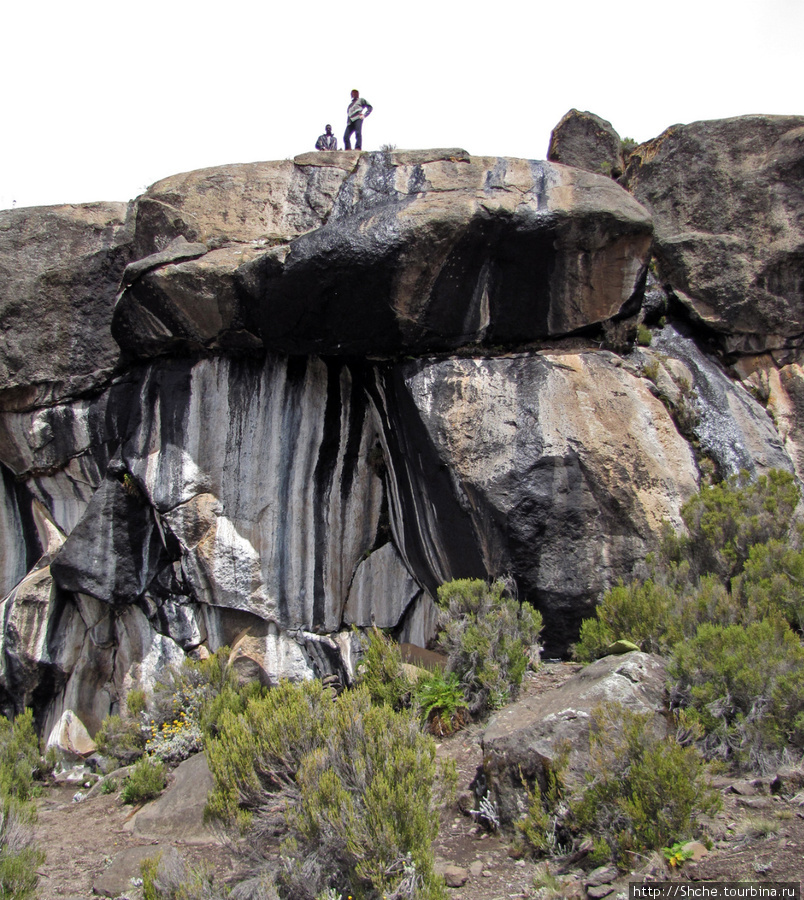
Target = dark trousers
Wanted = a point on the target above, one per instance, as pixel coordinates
(353, 128)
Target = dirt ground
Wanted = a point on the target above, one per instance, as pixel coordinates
(757, 837)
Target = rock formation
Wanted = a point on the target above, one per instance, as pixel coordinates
(265, 403)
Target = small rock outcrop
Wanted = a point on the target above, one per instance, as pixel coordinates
(726, 199)
(586, 141)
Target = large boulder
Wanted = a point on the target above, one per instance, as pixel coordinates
(383, 253)
(726, 199)
(260, 474)
(522, 741)
(559, 468)
(586, 141)
(60, 267)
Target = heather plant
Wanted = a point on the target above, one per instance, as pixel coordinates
(381, 672)
(20, 765)
(353, 783)
(644, 790)
(657, 613)
(490, 639)
(724, 521)
(744, 685)
(20, 760)
(20, 858)
(167, 877)
(121, 737)
(542, 827)
(146, 781)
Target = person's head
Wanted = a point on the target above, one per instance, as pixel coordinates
(328, 129)
(355, 95)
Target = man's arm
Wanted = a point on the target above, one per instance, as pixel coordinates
(367, 108)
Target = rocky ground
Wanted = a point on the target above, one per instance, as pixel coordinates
(93, 849)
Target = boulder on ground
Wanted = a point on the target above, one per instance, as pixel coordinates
(178, 814)
(70, 737)
(523, 740)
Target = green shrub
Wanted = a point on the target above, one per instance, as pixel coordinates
(20, 760)
(167, 877)
(122, 738)
(657, 613)
(542, 825)
(258, 753)
(440, 698)
(643, 790)
(19, 856)
(643, 335)
(368, 805)
(490, 640)
(353, 781)
(146, 781)
(772, 582)
(745, 686)
(20, 764)
(724, 521)
(381, 672)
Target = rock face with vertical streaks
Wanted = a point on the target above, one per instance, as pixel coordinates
(264, 404)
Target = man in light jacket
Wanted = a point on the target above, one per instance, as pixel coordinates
(357, 110)
(327, 140)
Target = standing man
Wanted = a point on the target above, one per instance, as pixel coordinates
(327, 140)
(357, 110)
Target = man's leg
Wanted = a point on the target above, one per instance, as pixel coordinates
(358, 130)
(350, 128)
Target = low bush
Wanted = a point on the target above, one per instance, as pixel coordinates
(121, 737)
(490, 639)
(657, 613)
(167, 877)
(744, 685)
(440, 700)
(772, 582)
(19, 856)
(147, 780)
(352, 782)
(542, 827)
(381, 672)
(644, 790)
(724, 521)
(20, 765)
(20, 760)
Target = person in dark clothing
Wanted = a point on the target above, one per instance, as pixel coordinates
(327, 140)
(357, 110)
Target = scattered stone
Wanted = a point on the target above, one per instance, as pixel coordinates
(788, 780)
(522, 739)
(116, 879)
(586, 141)
(486, 873)
(600, 875)
(743, 788)
(698, 850)
(455, 876)
(602, 890)
(70, 737)
(476, 868)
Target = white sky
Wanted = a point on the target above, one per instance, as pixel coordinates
(101, 99)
